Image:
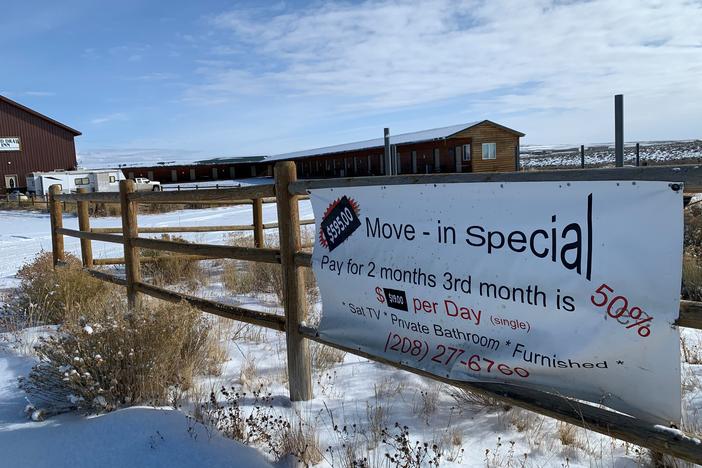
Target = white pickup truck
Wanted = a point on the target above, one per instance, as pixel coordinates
(145, 185)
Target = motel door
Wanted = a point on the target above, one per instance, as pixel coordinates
(11, 182)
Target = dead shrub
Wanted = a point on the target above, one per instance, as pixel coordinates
(325, 357)
(253, 278)
(257, 278)
(165, 268)
(237, 279)
(113, 358)
(567, 434)
(105, 209)
(49, 296)
(300, 440)
(691, 278)
(267, 278)
(248, 374)
(477, 401)
(156, 208)
(237, 239)
(261, 426)
(311, 289)
(427, 401)
(692, 352)
(693, 229)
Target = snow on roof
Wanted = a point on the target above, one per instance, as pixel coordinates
(404, 138)
(73, 172)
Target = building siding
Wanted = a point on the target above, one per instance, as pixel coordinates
(506, 146)
(44, 146)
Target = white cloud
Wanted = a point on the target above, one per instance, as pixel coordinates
(156, 76)
(40, 93)
(509, 55)
(117, 116)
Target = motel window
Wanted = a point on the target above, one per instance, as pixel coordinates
(466, 152)
(489, 150)
(113, 179)
(82, 181)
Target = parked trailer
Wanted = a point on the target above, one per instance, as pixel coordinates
(103, 180)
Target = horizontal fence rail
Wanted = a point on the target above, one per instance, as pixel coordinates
(96, 236)
(101, 275)
(151, 259)
(96, 197)
(218, 251)
(303, 222)
(163, 230)
(287, 192)
(262, 319)
(191, 196)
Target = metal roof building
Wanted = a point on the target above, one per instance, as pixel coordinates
(480, 146)
(30, 142)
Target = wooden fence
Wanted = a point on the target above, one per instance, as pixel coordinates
(32, 202)
(287, 191)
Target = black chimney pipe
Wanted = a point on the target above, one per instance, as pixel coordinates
(619, 130)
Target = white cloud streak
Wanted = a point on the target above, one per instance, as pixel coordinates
(513, 54)
(115, 117)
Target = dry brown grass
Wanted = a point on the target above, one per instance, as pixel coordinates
(112, 357)
(254, 278)
(51, 296)
(567, 434)
(476, 401)
(692, 278)
(167, 269)
(325, 357)
(105, 209)
(301, 441)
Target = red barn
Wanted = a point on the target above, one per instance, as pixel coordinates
(30, 142)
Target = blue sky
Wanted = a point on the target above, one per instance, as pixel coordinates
(183, 79)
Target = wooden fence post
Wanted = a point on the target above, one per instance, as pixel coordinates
(86, 245)
(130, 230)
(258, 222)
(294, 301)
(56, 216)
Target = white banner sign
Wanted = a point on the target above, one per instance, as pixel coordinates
(565, 287)
(9, 144)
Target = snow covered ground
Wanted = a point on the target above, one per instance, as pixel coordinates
(354, 398)
(24, 234)
(139, 436)
(221, 183)
(568, 156)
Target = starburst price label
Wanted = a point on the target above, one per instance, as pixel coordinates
(339, 222)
